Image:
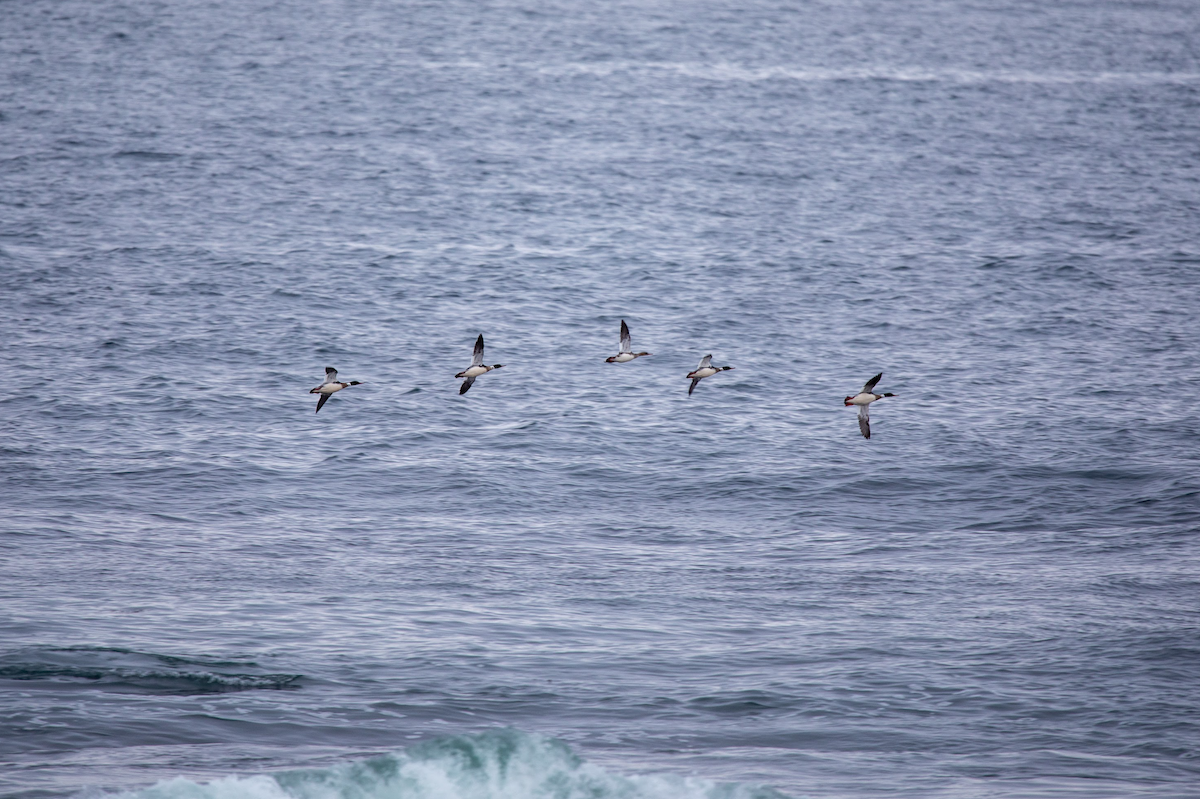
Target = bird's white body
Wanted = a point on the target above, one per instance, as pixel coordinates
(475, 371)
(863, 398)
(623, 357)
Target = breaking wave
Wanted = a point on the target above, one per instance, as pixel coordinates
(499, 764)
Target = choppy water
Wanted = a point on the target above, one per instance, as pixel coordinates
(576, 580)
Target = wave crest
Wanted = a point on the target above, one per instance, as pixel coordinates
(499, 764)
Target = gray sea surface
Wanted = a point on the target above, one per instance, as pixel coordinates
(576, 580)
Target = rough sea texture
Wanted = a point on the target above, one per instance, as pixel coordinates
(576, 580)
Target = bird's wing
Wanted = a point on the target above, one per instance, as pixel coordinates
(864, 421)
(626, 341)
(324, 398)
(330, 374)
(692, 387)
(477, 360)
(871, 383)
(705, 361)
(466, 386)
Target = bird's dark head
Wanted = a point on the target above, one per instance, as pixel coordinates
(610, 359)
(889, 395)
(498, 366)
(847, 402)
(355, 383)
(640, 354)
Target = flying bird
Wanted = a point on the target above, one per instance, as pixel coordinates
(626, 352)
(863, 400)
(705, 369)
(476, 368)
(331, 384)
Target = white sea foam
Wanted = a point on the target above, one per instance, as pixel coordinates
(501, 764)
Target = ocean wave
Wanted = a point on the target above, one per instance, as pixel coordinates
(129, 671)
(498, 764)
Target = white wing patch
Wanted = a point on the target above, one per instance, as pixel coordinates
(477, 359)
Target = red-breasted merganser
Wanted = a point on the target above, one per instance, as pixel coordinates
(863, 400)
(476, 368)
(705, 369)
(330, 385)
(626, 353)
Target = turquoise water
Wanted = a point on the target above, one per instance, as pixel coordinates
(494, 764)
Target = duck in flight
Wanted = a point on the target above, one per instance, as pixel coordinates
(863, 400)
(626, 352)
(476, 368)
(330, 385)
(705, 369)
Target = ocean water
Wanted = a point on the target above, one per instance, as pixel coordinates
(576, 580)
